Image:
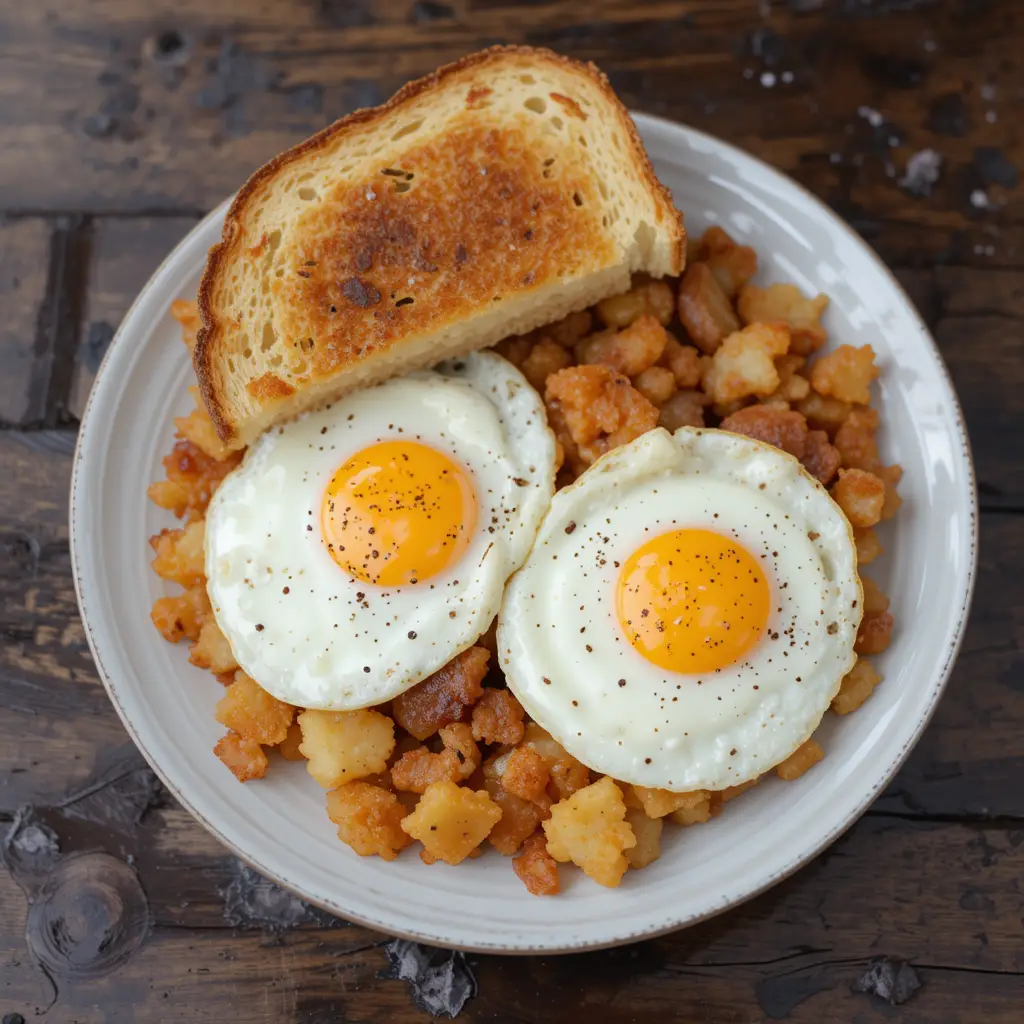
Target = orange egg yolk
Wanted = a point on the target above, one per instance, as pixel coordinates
(397, 513)
(692, 601)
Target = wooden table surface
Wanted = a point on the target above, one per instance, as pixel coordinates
(121, 123)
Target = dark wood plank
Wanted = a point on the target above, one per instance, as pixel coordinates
(173, 115)
(123, 253)
(24, 346)
(943, 896)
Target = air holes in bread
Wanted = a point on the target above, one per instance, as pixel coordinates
(269, 338)
(536, 103)
(407, 301)
(577, 199)
(307, 194)
(558, 122)
(406, 129)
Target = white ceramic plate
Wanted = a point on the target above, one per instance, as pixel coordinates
(279, 825)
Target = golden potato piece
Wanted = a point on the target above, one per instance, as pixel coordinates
(823, 413)
(628, 351)
(212, 650)
(858, 684)
(875, 602)
(803, 758)
(590, 829)
(246, 708)
(684, 361)
(186, 312)
(860, 495)
(648, 838)
(781, 428)
(892, 476)
(451, 821)
(783, 303)
(704, 309)
(179, 554)
(695, 812)
(570, 330)
(369, 819)
(536, 868)
(288, 748)
(744, 365)
(868, 546)
(498, 718)
(547, 357)
(181, 617)
(657, 803)
(245, 757)
(733, 265)
(344, 745)
(657, 384)
(846, 374)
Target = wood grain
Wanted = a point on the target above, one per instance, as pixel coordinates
(123, 254)
(24, 347)
(123, 122)
(149, 129)
(801, 945)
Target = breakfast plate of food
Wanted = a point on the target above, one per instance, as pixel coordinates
(520, 526)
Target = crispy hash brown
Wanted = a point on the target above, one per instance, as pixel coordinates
(454, 761)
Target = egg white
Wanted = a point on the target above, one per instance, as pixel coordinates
(339, 643)
(568, 661)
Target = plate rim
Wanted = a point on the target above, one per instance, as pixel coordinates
(739, 896)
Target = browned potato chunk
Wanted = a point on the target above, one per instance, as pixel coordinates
(179, 554)
(498, 718)
(868, 546)
(804, 757)
(779, 427)
(519, 818)
(648, 838)
(546, 358)
(892, 476)
(247, 709)
(846, 374)
(733, 265)
(621, 310)
(417, 769)
(516, 348)
(783, 303)
(628, 351)
(745, 363)
(875, 602)
(536, 868)
(369, 819)
(443, 697)
(657, 384)
(526, 774)
(820, 459)
(860, 495)
(683, 361)
(245, 757)
(589, 829)
(451, 821)
(823, 413)
(855, 440)
(874, 634)
(704, 309)
(858, 684)
(192, 477)
(568, 776)
(568, 331)
(683, 409)
(344, 745)
(182, 617)
(593, 409)
(289, 746)
(212, 650)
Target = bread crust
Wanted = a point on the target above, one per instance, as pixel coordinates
(227, 250)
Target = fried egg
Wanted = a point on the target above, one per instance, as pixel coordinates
(361, 547)
(687, 613)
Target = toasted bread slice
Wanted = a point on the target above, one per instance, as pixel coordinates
(497, 195)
